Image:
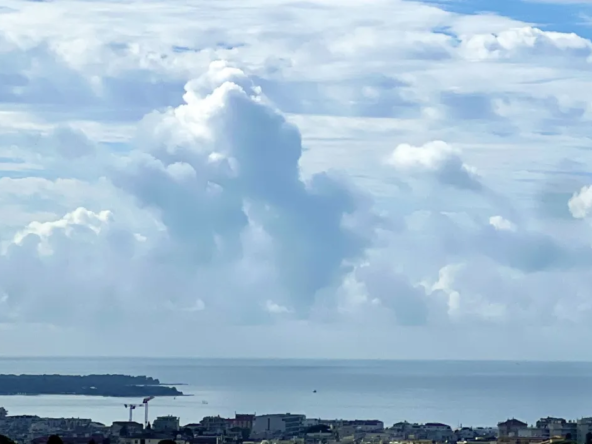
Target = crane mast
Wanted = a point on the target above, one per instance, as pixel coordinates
(131, 408)
(145, 402)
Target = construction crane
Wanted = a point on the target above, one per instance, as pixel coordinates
(145, 402)
(131, 408)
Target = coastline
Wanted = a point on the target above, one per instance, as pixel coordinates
(103, 385)
(392, 391)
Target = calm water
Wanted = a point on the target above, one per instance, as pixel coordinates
(471, 393)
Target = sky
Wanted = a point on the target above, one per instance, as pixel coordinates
(381, 179)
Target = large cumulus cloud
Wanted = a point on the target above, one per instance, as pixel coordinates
(231, 228)
(226, 160)
(252, 196)
(220, 168)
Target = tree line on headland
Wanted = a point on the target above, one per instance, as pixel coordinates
(90, 385)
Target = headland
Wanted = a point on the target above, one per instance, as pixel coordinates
(124, 386)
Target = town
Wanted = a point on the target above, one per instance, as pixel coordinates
(285, 428)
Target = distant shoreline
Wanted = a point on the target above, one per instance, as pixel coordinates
(111, 386)
(184, 395)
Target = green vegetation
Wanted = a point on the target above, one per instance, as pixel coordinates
(91, 385)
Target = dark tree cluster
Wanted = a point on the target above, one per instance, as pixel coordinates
(91, 385)
(54, 439)
(6, 440)
(318, 428)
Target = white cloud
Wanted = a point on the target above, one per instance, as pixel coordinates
(439, 159)
(581, 203)
(71, 225)
(195, 172)
(469, 304)
(275, 308)
(519, 43)
(499, 223)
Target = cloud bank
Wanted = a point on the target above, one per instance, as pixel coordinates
(416, 186)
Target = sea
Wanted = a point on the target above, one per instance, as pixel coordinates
(467, 393)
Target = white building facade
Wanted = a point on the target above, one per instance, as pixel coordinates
(277, 424)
